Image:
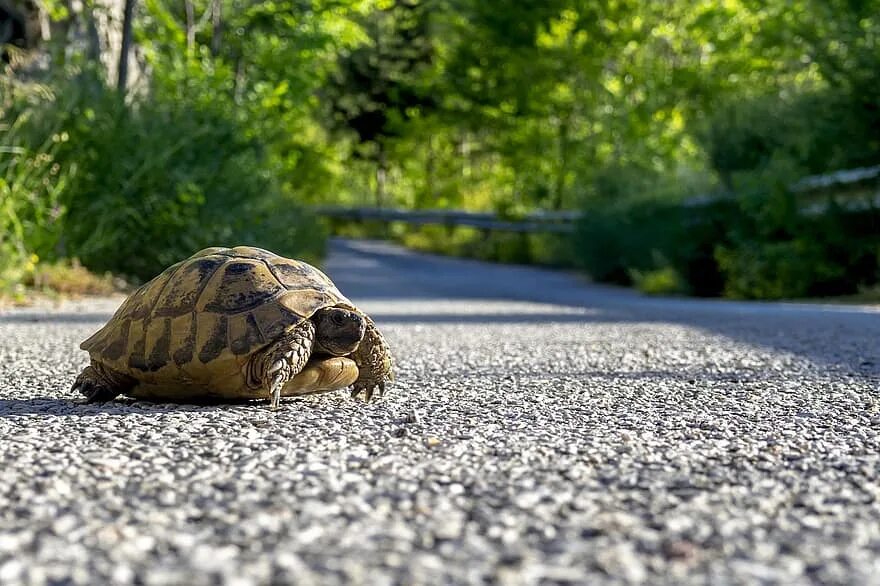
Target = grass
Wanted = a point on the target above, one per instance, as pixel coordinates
(865, 296)
(61, 280)
(665, 281)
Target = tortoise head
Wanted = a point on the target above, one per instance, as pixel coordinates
(338, 331)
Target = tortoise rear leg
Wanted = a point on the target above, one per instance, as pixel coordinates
(281, 361)
(99, 383)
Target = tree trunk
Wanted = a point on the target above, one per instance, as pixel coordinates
(381, 176)
(190, 12)
(127, 18)
(464, 149)
(238, 84)
(216, 27)
(430, 171)
(60, 33)
(564, 148)
(92, 34)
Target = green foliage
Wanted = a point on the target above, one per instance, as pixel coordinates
(665, 281)
(31, 184)
(765, 249)
(219, 147)
(815, 131)
(69, 277)
(788, 255)
(618, 243)
(380, 85)
(505, 247)
(160, 180)
(262, 69)
(773, 270)
(250, 110)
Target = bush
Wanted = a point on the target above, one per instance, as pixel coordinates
(760, 247)
(617, 242)
(157, 180)
(802, 256)
(504, 247)
(773, 270)
(817, 131)
(664, 281)
(69, 277)
(31, 182)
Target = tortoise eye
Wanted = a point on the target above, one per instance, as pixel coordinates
(336, 318)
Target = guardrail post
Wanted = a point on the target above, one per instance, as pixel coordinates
(449, 228)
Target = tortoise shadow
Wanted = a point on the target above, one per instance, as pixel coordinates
(33, 317)
(59, 407)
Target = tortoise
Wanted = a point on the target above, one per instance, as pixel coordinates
(235, 323)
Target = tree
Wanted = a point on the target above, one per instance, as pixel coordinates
(381, 85)
(125, 49)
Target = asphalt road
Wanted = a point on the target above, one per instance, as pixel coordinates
(542, 430)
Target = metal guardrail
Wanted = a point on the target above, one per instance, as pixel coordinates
(859, 181)
(847, 178)
(543, 221)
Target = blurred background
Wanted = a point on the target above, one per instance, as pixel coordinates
(684, 147)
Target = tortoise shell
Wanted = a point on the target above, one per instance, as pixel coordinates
(197, 323)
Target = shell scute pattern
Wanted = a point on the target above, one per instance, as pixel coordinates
(135, 310)
(183, 328)
(295, 275)
(117, 343)
(306, 301)
(211, 336)
(253, 252)
(159, 353)
(273, 318)
(245, 334)
(241, 285)
(182, 293)
(143, 300)
(213, 250)
(136, 357)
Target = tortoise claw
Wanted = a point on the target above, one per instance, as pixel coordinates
(275, 390)
(92, 392)
(361, 388)
(369, 390)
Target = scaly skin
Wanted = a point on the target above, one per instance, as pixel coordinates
(373, 358)
(99, 383)
(282, 360)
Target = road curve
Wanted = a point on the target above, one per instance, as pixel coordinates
(542, 430)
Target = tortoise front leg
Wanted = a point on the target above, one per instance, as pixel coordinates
(373, 358)
(283, 360)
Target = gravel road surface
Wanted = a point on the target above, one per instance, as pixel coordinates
(542, 431)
